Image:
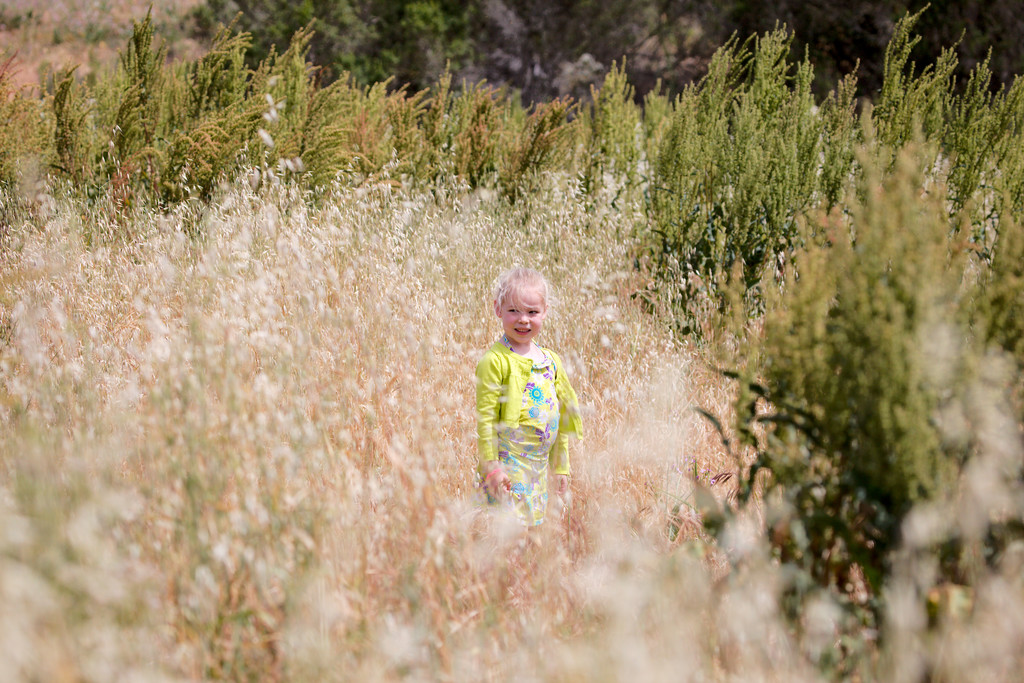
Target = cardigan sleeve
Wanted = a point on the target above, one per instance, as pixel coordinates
(489, 391)
(558, 457)
(569, 420)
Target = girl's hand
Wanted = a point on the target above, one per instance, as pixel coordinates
(560, 484)
(496, 482)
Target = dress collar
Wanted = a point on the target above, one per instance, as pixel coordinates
(544, 362)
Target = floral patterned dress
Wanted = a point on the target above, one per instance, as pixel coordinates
(523, 450)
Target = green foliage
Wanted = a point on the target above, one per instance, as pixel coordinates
(371, 140)
(326, 146)
(135, 124)
(171, 133)
(69, 115)
(975, 128)
(614, 127)
(657, 116)
(734, 161)
(544, 138)
(413, 41)
(369, 42)
(1000, 306)
(22, 131)
(475, 116)
(912, 101)
(205, 135)
(217, 80)
(840, 136)
(544, 49)
(863, 355)
(843, 37)
(739, 164)
(1008, 180)
(748, 153)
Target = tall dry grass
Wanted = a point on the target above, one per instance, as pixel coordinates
(251, 457)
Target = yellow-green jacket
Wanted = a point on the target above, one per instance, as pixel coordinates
(501, 377)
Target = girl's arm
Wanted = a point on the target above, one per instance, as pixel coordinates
(568, 421)
(558, 457)
(489, 391)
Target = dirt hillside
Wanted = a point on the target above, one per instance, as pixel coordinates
(44, 36)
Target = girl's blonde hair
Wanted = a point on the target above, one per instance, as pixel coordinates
(514, 281)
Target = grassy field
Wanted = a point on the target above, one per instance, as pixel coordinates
(254, 456)
(251, 458)
(236, 415)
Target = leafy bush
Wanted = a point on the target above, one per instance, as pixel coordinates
(868, 398)
(865, 406)
(171, 133)
(21, 128)
(909, 101)
(370, 42)
(999, 313)
(209, 121)
(544, 138)
(738, 166)
(69, 115)
(842, 36)
(614, 125)
(469, 136)
(749, 153)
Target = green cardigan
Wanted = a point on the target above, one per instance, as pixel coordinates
(501, 377)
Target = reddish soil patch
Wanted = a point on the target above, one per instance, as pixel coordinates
(48, 36)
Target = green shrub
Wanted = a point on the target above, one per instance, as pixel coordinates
(910, 101)
(470, 138)
(326, 149)
(1007, 181)
(109, 137)
(613, 124)
(738, 166)
(171, 132)
(748, 153)
(369, 42)
(69, 114)
(840, 136)
(208, 119)
(544, 137)
(657, 116)
(22, 132)
(134, 131)
(863, 405)
(999, 310)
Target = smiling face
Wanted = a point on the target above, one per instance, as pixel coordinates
(522, 314)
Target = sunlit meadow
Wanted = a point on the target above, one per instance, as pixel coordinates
(237, 431)
(252, 455)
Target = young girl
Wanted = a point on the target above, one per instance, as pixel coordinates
(525, 407)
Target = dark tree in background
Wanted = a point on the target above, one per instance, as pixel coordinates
(547, 48)
(839, 35)
(373, 40)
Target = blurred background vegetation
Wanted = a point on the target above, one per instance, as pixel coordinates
(846, 241)
(539, 49)
(555, 48)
